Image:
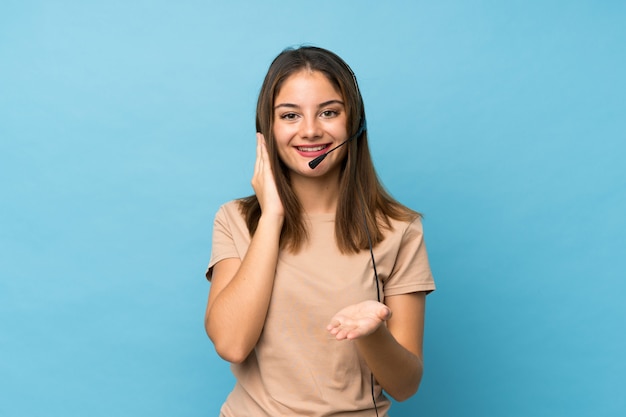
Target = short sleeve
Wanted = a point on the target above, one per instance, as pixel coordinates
(411, 270)
(223, 245)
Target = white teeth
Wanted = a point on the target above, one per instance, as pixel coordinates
(311, 148)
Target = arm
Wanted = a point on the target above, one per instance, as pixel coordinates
(241, 289)
(392, 352)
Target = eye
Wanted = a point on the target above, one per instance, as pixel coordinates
(329, 113)
(288, 116)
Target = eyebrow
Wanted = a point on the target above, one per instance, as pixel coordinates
(295, 106)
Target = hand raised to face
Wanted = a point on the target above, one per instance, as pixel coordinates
(263, 181)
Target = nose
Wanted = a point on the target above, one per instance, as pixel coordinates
(311, 128)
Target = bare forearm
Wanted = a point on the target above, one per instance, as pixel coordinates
(236, 317)
(396, 369)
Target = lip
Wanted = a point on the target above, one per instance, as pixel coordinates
(312, 154)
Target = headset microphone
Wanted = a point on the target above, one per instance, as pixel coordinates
(315, 162)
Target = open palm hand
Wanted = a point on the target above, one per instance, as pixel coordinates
(358, 320)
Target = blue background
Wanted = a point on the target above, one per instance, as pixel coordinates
(125, 124)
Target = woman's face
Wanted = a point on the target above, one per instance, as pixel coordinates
(309, 119)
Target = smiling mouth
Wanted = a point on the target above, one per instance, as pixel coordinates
(311, 148)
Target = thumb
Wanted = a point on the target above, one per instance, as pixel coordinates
(385, 313)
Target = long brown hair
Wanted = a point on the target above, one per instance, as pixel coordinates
(358, 180)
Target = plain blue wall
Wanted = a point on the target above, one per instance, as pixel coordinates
(125, 124)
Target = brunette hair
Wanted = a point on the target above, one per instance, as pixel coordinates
(358, 180)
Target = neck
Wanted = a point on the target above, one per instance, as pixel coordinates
(317, 195)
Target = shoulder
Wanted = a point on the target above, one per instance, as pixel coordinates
(231, 207)
(230, 214)
(411, 225)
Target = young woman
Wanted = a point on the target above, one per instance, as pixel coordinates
(318, 280)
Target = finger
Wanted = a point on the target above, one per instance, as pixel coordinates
(385, 313)
(342, 334)
(337, 320)
(264, 153)
(353, 334)
(258, 161)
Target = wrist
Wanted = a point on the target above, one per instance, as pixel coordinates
(271, 219)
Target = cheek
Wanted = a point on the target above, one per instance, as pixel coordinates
(282, 137)
(281, 153)
(339, 130)
(279, 133)
(281, 146)
(344, 153)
